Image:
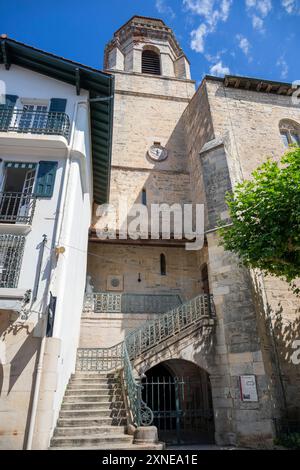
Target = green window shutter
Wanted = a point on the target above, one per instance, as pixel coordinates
(45, 179)
(57, 105)
(56, 120)
(6, 111)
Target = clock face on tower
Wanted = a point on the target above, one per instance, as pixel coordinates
(158, 153)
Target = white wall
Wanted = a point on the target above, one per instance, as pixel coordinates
(64, 218)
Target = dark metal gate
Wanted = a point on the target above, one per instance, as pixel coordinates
(182, 409)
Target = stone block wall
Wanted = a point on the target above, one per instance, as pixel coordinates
(182, 277)
(249, 121)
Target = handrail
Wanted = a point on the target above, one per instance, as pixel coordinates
(34, 121)
(142, 415)
(168, 324)
(140, 340)
(100, 359)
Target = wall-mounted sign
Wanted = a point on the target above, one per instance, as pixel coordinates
(248, 388)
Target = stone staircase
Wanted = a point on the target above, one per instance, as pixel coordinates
(93, 414)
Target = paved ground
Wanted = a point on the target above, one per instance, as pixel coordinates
(201, 447)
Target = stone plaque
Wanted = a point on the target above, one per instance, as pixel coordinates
(114, 283)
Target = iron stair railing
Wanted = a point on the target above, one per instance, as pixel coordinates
(141, 340)
(141, 414)
(166, 325)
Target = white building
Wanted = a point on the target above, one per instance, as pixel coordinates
(50, 137)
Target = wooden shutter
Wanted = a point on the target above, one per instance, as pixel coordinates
(55, 119)
(57, 105)
(6, 111)
(45, 179)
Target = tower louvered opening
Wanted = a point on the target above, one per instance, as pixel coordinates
(151, 62)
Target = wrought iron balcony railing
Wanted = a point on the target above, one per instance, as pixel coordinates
(17, 208)
(149, 335)
(34, 122)
(11, 253)
(111, 302)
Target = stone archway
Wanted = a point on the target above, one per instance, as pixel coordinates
(179, 394)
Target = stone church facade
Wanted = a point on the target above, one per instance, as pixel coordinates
(215, 137)
(171, 345)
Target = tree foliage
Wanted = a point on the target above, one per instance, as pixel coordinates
(265, 214)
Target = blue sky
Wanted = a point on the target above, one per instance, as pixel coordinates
(257, 38)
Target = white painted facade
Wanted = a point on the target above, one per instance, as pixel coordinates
(65, 219)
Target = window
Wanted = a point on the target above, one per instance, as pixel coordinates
(163, 265)
(290, 133)
(144, 197)
(33, 117)
(16, 199)
(204, 277)
(151, 62)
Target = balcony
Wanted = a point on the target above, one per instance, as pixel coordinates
(16, 208)
(34, 122)
(129, 303)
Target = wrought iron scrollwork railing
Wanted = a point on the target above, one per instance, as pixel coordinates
(34, 121)
(142, 415)
(168, 324)
(100, 359)
(140, 340)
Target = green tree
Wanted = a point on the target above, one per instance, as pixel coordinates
(265, 215)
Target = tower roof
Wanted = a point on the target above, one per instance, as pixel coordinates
(143, 29)
(143, 20)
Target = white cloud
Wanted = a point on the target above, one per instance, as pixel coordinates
(164, 8)
(219, 69)
(198, 35)
(281, 62)
(244, 44)
(215, 58)
(258, 10)
(257, 23)
(263, 7)
(292, 7)
(211, 12)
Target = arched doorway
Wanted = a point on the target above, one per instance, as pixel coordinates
(179, 394)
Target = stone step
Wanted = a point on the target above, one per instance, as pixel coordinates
(80, 386)
(94, 375)
(113, 446)
(90, 413)
(105, 405)
(68, 431)
(96, 382)
(93, 391)
(92, 421)
(91, 398)
(82, 441)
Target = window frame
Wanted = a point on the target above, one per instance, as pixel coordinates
(288, 129)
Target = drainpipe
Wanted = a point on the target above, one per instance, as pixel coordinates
(56, 235)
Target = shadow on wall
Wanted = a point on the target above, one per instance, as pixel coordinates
(18, 337)
(279, 331)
